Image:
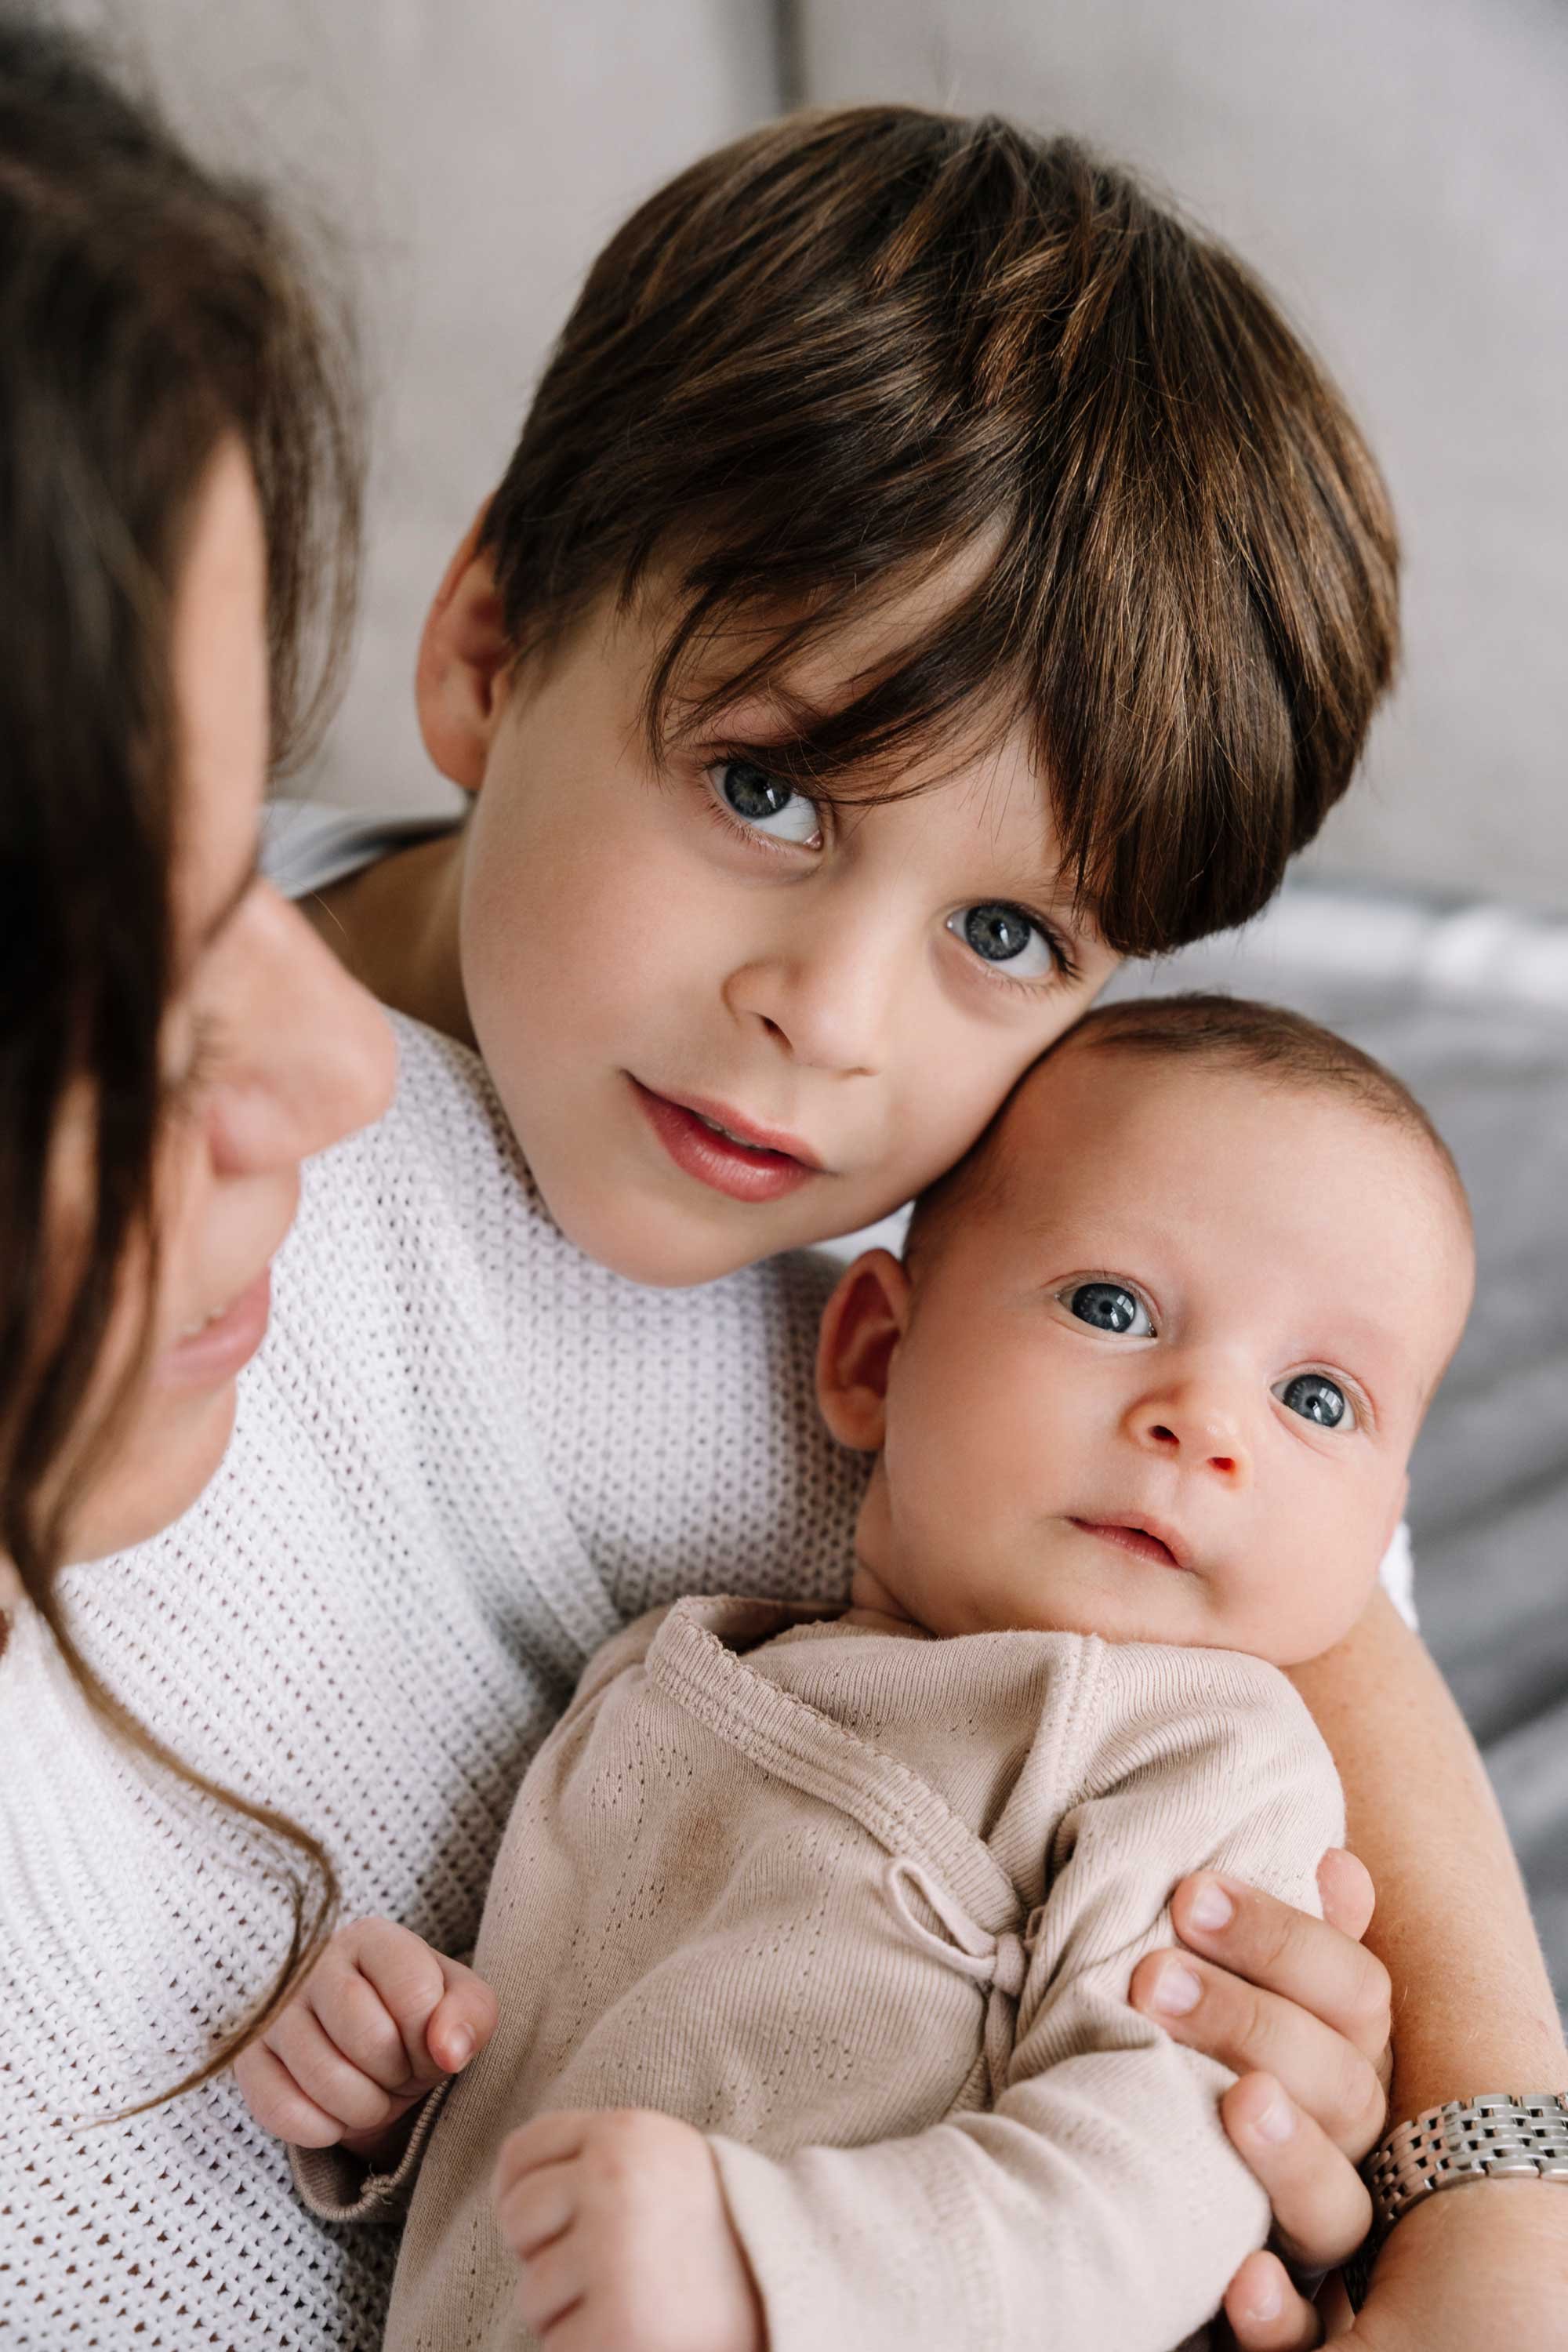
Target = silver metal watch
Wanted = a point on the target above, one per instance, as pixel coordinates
(1496, 2136)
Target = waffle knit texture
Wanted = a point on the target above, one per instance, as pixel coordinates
(863, 1907)
(465, 1456)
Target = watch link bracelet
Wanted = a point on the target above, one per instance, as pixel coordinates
(1493, 2137)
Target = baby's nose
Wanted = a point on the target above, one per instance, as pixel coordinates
(1194, 1425)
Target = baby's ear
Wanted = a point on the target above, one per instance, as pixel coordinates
(861, 1327)
(463, 658)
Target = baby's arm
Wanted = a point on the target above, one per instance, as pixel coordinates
(1098, 2191)
(381, 2020)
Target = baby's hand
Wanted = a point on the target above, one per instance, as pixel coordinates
(619, 2221)
(378, 2022)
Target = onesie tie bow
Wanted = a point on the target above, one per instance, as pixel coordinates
(997, 1964)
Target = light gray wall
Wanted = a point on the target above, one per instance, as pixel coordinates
(477, 153)
(1398, 170)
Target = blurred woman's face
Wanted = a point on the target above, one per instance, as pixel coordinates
(270, 1052)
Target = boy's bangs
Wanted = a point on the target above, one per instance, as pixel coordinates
(881, 356)
(1165, 837)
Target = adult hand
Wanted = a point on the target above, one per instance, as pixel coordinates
(1486, 2264)
(1301, 2013)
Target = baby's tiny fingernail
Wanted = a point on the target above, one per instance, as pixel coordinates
(460, 2049)
(1176, 1991)
(1277, 2121)
(1211, 1906)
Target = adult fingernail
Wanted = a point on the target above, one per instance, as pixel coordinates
(1267, 2300)
(460, 2049)
(1176, 1991)
(1211, 1906)
(1277, 2121)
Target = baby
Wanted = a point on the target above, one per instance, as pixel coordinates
(810, 1936)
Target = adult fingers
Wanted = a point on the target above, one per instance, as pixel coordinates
(1264, 2311)
(1321, 2210)
(1251, 2030)
(1346, 1892)
(1318, 1966)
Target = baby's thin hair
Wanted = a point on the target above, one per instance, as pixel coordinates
(1235, 1032)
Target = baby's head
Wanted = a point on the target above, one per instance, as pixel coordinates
(929, 572)
(1160, 1346)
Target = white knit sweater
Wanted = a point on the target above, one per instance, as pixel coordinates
(464, 1456)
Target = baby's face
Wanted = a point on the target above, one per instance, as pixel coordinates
(1164, 1386)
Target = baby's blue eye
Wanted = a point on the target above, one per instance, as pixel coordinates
(767, 804)
(1110, 1307)
(1316, 1398)
(1003, 934)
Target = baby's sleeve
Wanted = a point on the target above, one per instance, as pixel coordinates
(1098, 2201)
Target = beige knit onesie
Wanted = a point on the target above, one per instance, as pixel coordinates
(863, 1907)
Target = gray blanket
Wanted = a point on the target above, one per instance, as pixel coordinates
(1469, 1005)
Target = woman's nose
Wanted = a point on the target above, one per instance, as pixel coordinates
(307, 1054)
(1196, 1423)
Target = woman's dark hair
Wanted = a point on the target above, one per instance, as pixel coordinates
(149, 309)
(857, 344)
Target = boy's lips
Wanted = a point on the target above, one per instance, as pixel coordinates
(711, 1141)
(1152, 1538)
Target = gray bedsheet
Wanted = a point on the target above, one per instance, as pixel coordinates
(1469, 1005)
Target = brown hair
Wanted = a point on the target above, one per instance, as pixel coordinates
(1235, 1032)
(148, 308)
(855, 345)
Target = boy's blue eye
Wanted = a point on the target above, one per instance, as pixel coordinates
(1110, 1307)
(767, 804)
(1318, 1399)
(1002, 934)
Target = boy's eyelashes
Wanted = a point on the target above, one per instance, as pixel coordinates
(1020, 947)
(765, 805)
(1016, 944)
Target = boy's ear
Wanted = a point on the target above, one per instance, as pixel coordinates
(861, 1327)
(463, 660)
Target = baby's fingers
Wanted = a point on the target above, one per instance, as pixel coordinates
(277, 2103)
(404, 2013)
(463, 2020)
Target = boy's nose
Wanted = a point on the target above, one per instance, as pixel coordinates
(829, 1011)
(1194, 1424)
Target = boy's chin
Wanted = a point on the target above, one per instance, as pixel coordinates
(651, 1242)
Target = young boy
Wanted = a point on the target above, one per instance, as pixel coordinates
(856, 1894)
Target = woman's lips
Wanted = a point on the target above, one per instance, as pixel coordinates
(1132, 1538)
(746, 1171)
(221, 1348)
